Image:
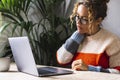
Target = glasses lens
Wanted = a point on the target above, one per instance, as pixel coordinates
(81, 20)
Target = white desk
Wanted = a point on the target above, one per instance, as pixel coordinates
(13, 74)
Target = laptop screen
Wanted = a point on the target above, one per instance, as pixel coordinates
(23, 55)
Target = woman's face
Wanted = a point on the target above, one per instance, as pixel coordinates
(82, 12)
(82, 20)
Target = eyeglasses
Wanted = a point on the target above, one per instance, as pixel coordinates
(82, 20)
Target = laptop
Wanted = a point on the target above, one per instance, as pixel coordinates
(25, 62)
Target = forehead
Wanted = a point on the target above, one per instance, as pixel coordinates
(82, 10)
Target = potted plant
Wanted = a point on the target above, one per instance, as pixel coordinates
(15, 13)
(45, 43)
(50, 39)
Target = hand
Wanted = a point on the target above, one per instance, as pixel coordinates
(79, 65)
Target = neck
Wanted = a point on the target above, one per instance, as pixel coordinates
(97, 29)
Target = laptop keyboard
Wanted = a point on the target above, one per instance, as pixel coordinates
(45, 70)
(48, 71)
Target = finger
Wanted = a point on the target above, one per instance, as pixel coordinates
(76, 62)
(78, 68)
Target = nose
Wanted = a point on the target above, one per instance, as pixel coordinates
(78, 22)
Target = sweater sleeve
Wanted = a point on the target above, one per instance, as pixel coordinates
(113, 50)
(100, 69)
(66, 52)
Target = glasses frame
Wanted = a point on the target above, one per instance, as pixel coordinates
(81, 19)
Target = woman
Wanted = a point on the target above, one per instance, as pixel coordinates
(91, 47)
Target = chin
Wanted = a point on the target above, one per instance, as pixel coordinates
(81, 32)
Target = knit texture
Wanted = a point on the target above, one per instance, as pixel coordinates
(67, 51)
(101, 49)
(101, 43)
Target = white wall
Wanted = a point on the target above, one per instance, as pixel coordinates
(112, 21)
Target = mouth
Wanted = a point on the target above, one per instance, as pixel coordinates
(79, 28)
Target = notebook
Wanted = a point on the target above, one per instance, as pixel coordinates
(25, 62)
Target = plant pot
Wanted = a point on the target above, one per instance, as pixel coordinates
(4, 64)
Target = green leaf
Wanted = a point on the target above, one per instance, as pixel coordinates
(27, 5)
(3, 27)
(14, 28)
(12, 17)
(4, 3)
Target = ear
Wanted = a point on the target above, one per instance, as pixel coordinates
(99, 20)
